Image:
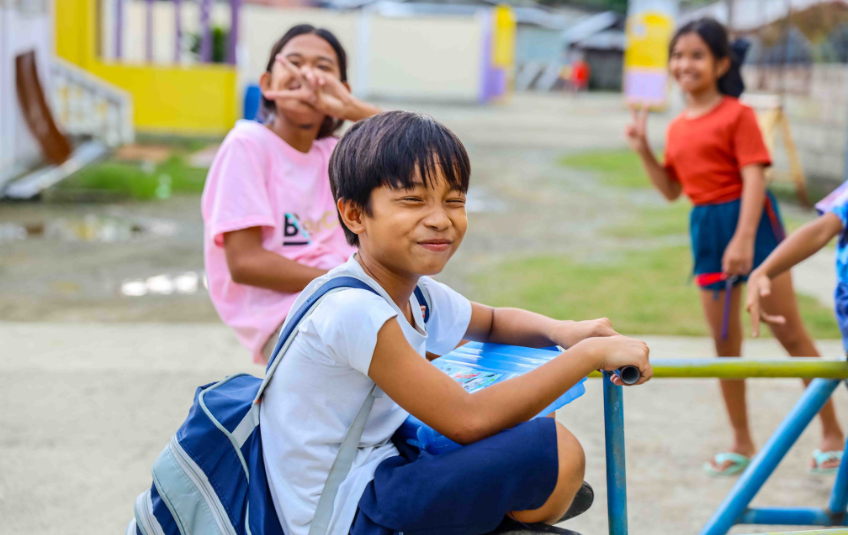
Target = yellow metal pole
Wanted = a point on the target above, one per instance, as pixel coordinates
(735, 368)
(813, 532)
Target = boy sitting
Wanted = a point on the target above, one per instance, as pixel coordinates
(399, 180)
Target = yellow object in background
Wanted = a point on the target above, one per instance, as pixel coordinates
(503, 49)
(196, 99)
(648, 36)
(650, 26)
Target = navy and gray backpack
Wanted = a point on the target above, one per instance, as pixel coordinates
(210, 478)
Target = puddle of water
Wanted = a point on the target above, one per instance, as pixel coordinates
(91, 228)
(189, 282)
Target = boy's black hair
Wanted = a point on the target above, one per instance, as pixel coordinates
(387, 150)
(715, 35)
(330, 124)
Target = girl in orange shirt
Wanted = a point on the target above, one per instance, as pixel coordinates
(715, 155)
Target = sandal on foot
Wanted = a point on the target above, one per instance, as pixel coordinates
(739, 463)
(821, 457)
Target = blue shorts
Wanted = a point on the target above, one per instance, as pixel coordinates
(464, 492)
(711, 227)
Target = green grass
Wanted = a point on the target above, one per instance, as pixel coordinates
(642, 292)
(619, 168)
(669, 220)
(134, 181)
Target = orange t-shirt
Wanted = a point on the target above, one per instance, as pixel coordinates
(706, 154)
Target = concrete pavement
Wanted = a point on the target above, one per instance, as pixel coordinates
(87, 407)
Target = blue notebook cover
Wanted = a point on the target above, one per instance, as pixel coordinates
(476, 366)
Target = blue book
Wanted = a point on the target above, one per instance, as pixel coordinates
(476, 366)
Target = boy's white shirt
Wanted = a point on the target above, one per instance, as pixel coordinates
(321, 383)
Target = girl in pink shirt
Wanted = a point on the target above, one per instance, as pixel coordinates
(270, 223)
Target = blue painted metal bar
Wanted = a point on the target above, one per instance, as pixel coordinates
(616, 471)
(839, 496)
(790, 516)
(734, 505)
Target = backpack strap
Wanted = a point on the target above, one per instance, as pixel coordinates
(308, 306)
(341, 466)
(350, 444)
(424, 301)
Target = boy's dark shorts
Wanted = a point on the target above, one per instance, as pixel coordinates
(465, 492)
(711, 227)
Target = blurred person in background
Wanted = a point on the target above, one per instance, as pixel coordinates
(579, 73)
(716, 155)
(270, 222)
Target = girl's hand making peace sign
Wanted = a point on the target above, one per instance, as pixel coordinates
(321, 91)
(331, 95)
(292, 86)
(637, 131)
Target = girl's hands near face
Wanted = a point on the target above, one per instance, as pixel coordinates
(738, 258)
(637, 131)
(759, 286)
(291, 86)
(614, 352)
(331, 95)
(570, 333)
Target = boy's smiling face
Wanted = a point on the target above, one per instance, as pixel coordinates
(410, 231)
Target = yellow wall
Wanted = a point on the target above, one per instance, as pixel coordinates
(199, 99)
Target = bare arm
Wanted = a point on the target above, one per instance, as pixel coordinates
(523, 328)
(251, 264)
(739, 255)
(440, 402)
(637, 136)
(796, 248)
(358, 110)
(801, 244)
(669, 188)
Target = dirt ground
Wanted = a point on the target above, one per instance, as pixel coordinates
(95, 380)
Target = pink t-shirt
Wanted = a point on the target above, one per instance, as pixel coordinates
(258, 180)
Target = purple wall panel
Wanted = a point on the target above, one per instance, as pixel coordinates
(205, 31)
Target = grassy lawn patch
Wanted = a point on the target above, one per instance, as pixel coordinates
(616, 168)
(669, 220)
(137, 181)
(623, 169)
(642, 292)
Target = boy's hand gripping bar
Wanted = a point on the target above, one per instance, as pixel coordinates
(629, 375)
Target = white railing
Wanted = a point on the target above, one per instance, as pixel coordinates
(85, 105)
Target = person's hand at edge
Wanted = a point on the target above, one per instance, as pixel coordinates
(759, 286)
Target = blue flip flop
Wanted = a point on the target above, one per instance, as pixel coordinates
(739, 463)
(822, 457)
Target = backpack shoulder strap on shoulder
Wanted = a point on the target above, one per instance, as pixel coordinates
(308, 306)
(423, 297)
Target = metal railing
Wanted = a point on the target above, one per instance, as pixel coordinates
(827, 375)
(85, 105)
